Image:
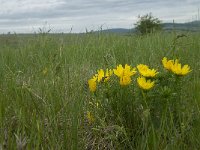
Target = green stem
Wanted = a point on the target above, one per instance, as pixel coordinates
(152, 126)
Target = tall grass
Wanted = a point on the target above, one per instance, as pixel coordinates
(44, 94)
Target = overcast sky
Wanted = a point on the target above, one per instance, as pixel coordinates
(23, 16)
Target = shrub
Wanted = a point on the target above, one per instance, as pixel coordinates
(148, 24)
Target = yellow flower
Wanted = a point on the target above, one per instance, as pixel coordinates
(167, 63)
(125, 80)
(145, 71)
(177, 69)
(92, 84)
(103, 76)
(100, 75)
(145, 84)
(108, 74)
(90, 117)
(127, 71)
(124, 73)
(119, 71)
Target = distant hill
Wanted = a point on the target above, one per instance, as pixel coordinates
(118, 30)
(189, 26)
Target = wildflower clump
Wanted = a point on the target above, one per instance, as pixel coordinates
(151, 98)
(147, 76)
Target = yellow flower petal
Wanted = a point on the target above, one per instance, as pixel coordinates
(145, 84)
(167, 63)
(125, 80)
(145, 71)
(175, 67)
(92, 84)
(100, 75)
(124, 73)
(119, 71)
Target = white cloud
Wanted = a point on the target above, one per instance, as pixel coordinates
(61, 15)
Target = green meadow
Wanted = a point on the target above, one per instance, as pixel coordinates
(44, 94)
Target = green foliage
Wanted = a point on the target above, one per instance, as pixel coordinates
(44, 96)
(148, 24)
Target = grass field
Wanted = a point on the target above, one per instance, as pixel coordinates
(44, 96)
